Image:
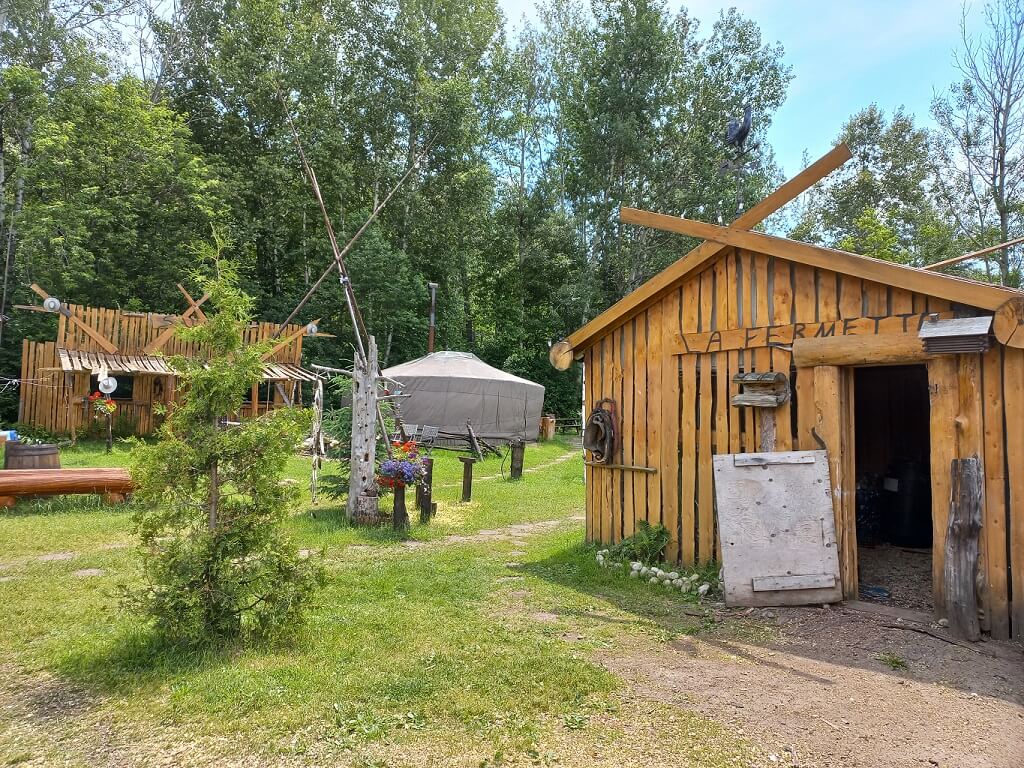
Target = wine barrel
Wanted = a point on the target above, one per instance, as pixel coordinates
(20, 456)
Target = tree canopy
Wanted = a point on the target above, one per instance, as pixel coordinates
(120, 149)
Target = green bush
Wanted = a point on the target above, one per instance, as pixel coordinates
(646, 545)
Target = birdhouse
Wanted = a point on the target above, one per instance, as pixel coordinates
(761, 390)
(958, 335)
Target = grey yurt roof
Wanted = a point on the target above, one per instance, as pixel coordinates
(448, 388)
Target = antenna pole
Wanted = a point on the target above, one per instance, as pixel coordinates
(433, 305)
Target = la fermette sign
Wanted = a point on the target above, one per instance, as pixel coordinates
(784, 335)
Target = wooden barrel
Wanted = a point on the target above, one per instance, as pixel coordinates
(20, 456)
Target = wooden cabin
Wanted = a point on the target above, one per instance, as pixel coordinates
(846, 331)
(58, 376)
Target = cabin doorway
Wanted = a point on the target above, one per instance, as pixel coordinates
(893, 486)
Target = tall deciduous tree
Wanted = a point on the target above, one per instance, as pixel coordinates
(982, 119)
(882, 203)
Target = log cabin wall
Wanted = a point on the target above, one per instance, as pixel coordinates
(674, 412)
(56, 401)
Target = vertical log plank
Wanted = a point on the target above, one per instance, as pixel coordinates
(994, 514)
(655, 362)
(943, 396)
(640, 423)
(971, 444)
(626, 524)
(1013, 396)
(670, 461)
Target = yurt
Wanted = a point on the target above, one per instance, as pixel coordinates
(447, 389)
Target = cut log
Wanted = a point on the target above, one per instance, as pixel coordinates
(961, 562)
(859, 350)
(112, 483)
(1008, 322)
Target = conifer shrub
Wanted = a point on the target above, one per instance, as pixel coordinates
(216, 564)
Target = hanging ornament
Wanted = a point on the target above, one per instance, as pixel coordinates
(108, 385)
(311, 329)
(51, 304)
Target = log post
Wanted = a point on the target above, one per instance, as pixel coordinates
(467, 476)
(365, 374)
(400, 516)
(961, 550)
(426, 491)
(518, 457)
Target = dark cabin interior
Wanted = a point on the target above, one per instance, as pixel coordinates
(894, 521)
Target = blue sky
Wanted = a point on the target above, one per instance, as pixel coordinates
(844, 56)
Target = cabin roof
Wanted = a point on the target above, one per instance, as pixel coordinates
(80, 361)
(957, 289)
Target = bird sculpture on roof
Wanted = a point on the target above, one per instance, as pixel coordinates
(736, 132)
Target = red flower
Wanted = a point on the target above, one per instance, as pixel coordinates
(94, 397)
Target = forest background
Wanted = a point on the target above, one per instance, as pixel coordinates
(130, 132)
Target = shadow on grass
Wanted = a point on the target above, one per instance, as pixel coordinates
(575, 568)
(66, 504)
(137, 657)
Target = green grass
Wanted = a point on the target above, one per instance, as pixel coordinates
(433, 650)
(892, 660)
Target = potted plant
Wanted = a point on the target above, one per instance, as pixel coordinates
(404, 467)
(106, 407)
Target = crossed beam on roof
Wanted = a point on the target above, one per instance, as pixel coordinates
(635, 302)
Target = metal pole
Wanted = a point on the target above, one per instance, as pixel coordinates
(433, 305)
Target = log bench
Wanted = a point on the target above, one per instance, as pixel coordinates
(113, 483)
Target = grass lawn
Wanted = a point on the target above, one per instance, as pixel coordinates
(459, 647)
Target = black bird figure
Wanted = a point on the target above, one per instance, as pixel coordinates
(736, 133)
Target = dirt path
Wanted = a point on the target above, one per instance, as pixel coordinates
(820, 695)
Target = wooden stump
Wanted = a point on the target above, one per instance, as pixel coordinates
(400, 516)
(467, 477)
(518, 458)
(426, 492)
(961, 562)
(366, 510)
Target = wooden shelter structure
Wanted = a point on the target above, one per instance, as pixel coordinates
(58, 376)
(673, 355)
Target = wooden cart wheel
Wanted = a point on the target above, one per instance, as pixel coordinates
(1008, 321)
(560, 355)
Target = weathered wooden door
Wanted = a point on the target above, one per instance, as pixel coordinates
(777, 528)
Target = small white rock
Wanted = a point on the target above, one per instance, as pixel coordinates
(685, 586)
(644, 571)
(703, 589)
(673, 575)
(636, 566)
(677, 583)
(667, 584)
(652, 580)
(943, 622)
(634, 574)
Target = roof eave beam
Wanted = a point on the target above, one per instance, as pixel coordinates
(989, 297)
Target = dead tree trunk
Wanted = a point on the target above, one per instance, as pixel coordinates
(961, 563)
(362, 496)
